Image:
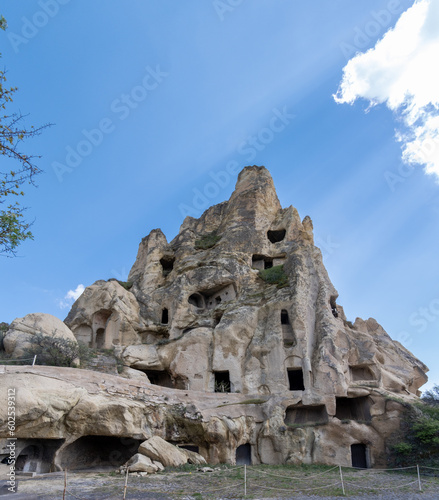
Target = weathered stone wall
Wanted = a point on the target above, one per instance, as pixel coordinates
(220, 357)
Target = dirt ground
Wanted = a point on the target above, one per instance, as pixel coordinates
(261, 483)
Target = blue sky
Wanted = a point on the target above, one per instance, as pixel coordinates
(158, 105)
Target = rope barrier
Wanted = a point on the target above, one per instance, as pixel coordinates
(296, 477)
(380, 470)
(261, 475)
(11, 360)
(223, 488)
(73, 495)
(301, 489)
(381, 487)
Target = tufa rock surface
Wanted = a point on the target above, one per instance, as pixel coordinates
(241, 350)
(18, 337)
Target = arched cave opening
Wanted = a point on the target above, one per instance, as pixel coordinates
(276, 236)
(212, 297)
(90, 452)
(99, 328)
(284, 319)
(36, 455)
(333, 304)
(165, 316)
(244, 454)
(196, 300)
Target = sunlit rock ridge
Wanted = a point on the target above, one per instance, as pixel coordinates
(233, 344)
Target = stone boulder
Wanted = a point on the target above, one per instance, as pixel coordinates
(141, 463)
(18, 337)
(158, 449)
(193, 457)
(130, 373)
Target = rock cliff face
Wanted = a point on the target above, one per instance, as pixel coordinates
(236, 319)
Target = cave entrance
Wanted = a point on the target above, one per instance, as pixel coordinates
(99, 327)
(165, 316)
(261, 262)
(222, 381)
(244, 454)
(197, 300)
(295, 379)
(333, 304)
(284, 319)
(359, 455)
(301, 414)
(287, 330)
(276, 236)
(167, 263)
(268, 263)
(190, 447)
(100, 338)
(37, 455)
(90, 452)
(160, 377)
(353, 409)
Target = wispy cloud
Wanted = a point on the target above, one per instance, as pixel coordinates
(401, 71)
(70, 297)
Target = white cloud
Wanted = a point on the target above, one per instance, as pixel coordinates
(74, 294)
(71, 296)
(401, 71)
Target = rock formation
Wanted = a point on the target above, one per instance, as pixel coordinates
(18, 337)
(241, 350)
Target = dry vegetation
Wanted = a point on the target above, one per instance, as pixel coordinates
(263, 482)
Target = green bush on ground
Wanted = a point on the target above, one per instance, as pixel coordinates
(418, 439)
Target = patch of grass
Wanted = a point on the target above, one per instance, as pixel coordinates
(274, 276)
(126, 284)
(206, 241)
